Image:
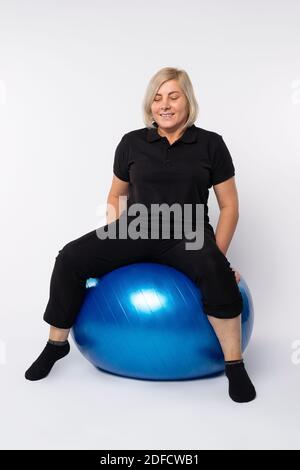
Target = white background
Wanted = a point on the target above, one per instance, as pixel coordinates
(72, 79)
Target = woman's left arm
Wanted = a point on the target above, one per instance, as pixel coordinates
(227, 197)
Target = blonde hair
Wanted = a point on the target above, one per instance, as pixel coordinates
(163, 75)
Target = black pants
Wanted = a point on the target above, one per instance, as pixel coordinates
(90, 256)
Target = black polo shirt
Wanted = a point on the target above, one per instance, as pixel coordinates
(182, 172)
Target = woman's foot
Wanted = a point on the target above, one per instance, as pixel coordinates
(241, 389)
(53, 351)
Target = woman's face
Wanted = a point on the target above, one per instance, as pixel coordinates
(170, 107)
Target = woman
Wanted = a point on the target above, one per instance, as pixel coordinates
(168, 161)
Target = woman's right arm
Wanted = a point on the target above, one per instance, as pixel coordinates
(118, 188)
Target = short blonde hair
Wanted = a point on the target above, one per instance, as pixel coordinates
(163, 75)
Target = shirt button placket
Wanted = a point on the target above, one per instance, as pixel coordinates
(167, 155)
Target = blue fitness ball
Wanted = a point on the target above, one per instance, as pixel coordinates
(146, 321)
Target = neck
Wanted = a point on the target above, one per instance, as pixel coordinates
(171, 135)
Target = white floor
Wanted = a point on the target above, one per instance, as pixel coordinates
(80, 407)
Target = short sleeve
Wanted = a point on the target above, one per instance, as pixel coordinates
(222, 167)
(120, 165)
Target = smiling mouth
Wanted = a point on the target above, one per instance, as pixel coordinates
(167, 115)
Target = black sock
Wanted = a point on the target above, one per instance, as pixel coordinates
(241, 389)
(57, 343)
(53, 351)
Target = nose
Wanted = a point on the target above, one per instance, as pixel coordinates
(165, 103)
(165, 107)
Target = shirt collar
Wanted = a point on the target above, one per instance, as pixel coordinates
(189, 135)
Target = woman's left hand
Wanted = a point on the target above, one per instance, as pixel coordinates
(237, 276)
